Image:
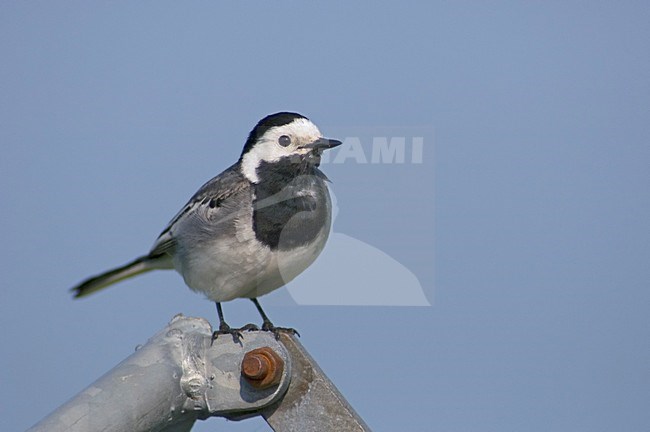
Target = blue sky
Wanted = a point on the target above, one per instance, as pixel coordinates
(525, 223)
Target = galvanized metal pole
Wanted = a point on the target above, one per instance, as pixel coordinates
(170, 382)
(312, 402)
(180, 376)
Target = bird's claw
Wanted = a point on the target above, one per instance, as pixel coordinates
(226, 329)
(269, 327)
(235, 332)
(249, 327)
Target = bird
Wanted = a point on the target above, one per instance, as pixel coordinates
(249, 230)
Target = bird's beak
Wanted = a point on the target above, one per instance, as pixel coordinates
(322, 144)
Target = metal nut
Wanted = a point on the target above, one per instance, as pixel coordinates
(262, 367)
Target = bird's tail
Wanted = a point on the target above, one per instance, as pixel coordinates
(139, 265)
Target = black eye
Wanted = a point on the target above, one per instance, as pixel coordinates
(284, 140)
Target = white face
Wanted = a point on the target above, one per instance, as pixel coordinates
(269, 146)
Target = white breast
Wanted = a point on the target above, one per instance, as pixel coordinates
(240, 266)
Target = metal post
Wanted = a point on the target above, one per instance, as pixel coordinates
(312, 402)
(180, 376)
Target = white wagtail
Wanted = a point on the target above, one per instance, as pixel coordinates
(252, 228)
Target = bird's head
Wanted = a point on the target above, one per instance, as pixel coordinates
(283, 138)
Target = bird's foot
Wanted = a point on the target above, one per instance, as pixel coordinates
(235, 332)
(269, 327)
(225, 329)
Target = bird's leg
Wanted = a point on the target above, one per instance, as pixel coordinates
(267, 325)
(225, 328)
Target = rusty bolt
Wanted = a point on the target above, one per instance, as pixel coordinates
(262, 367)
